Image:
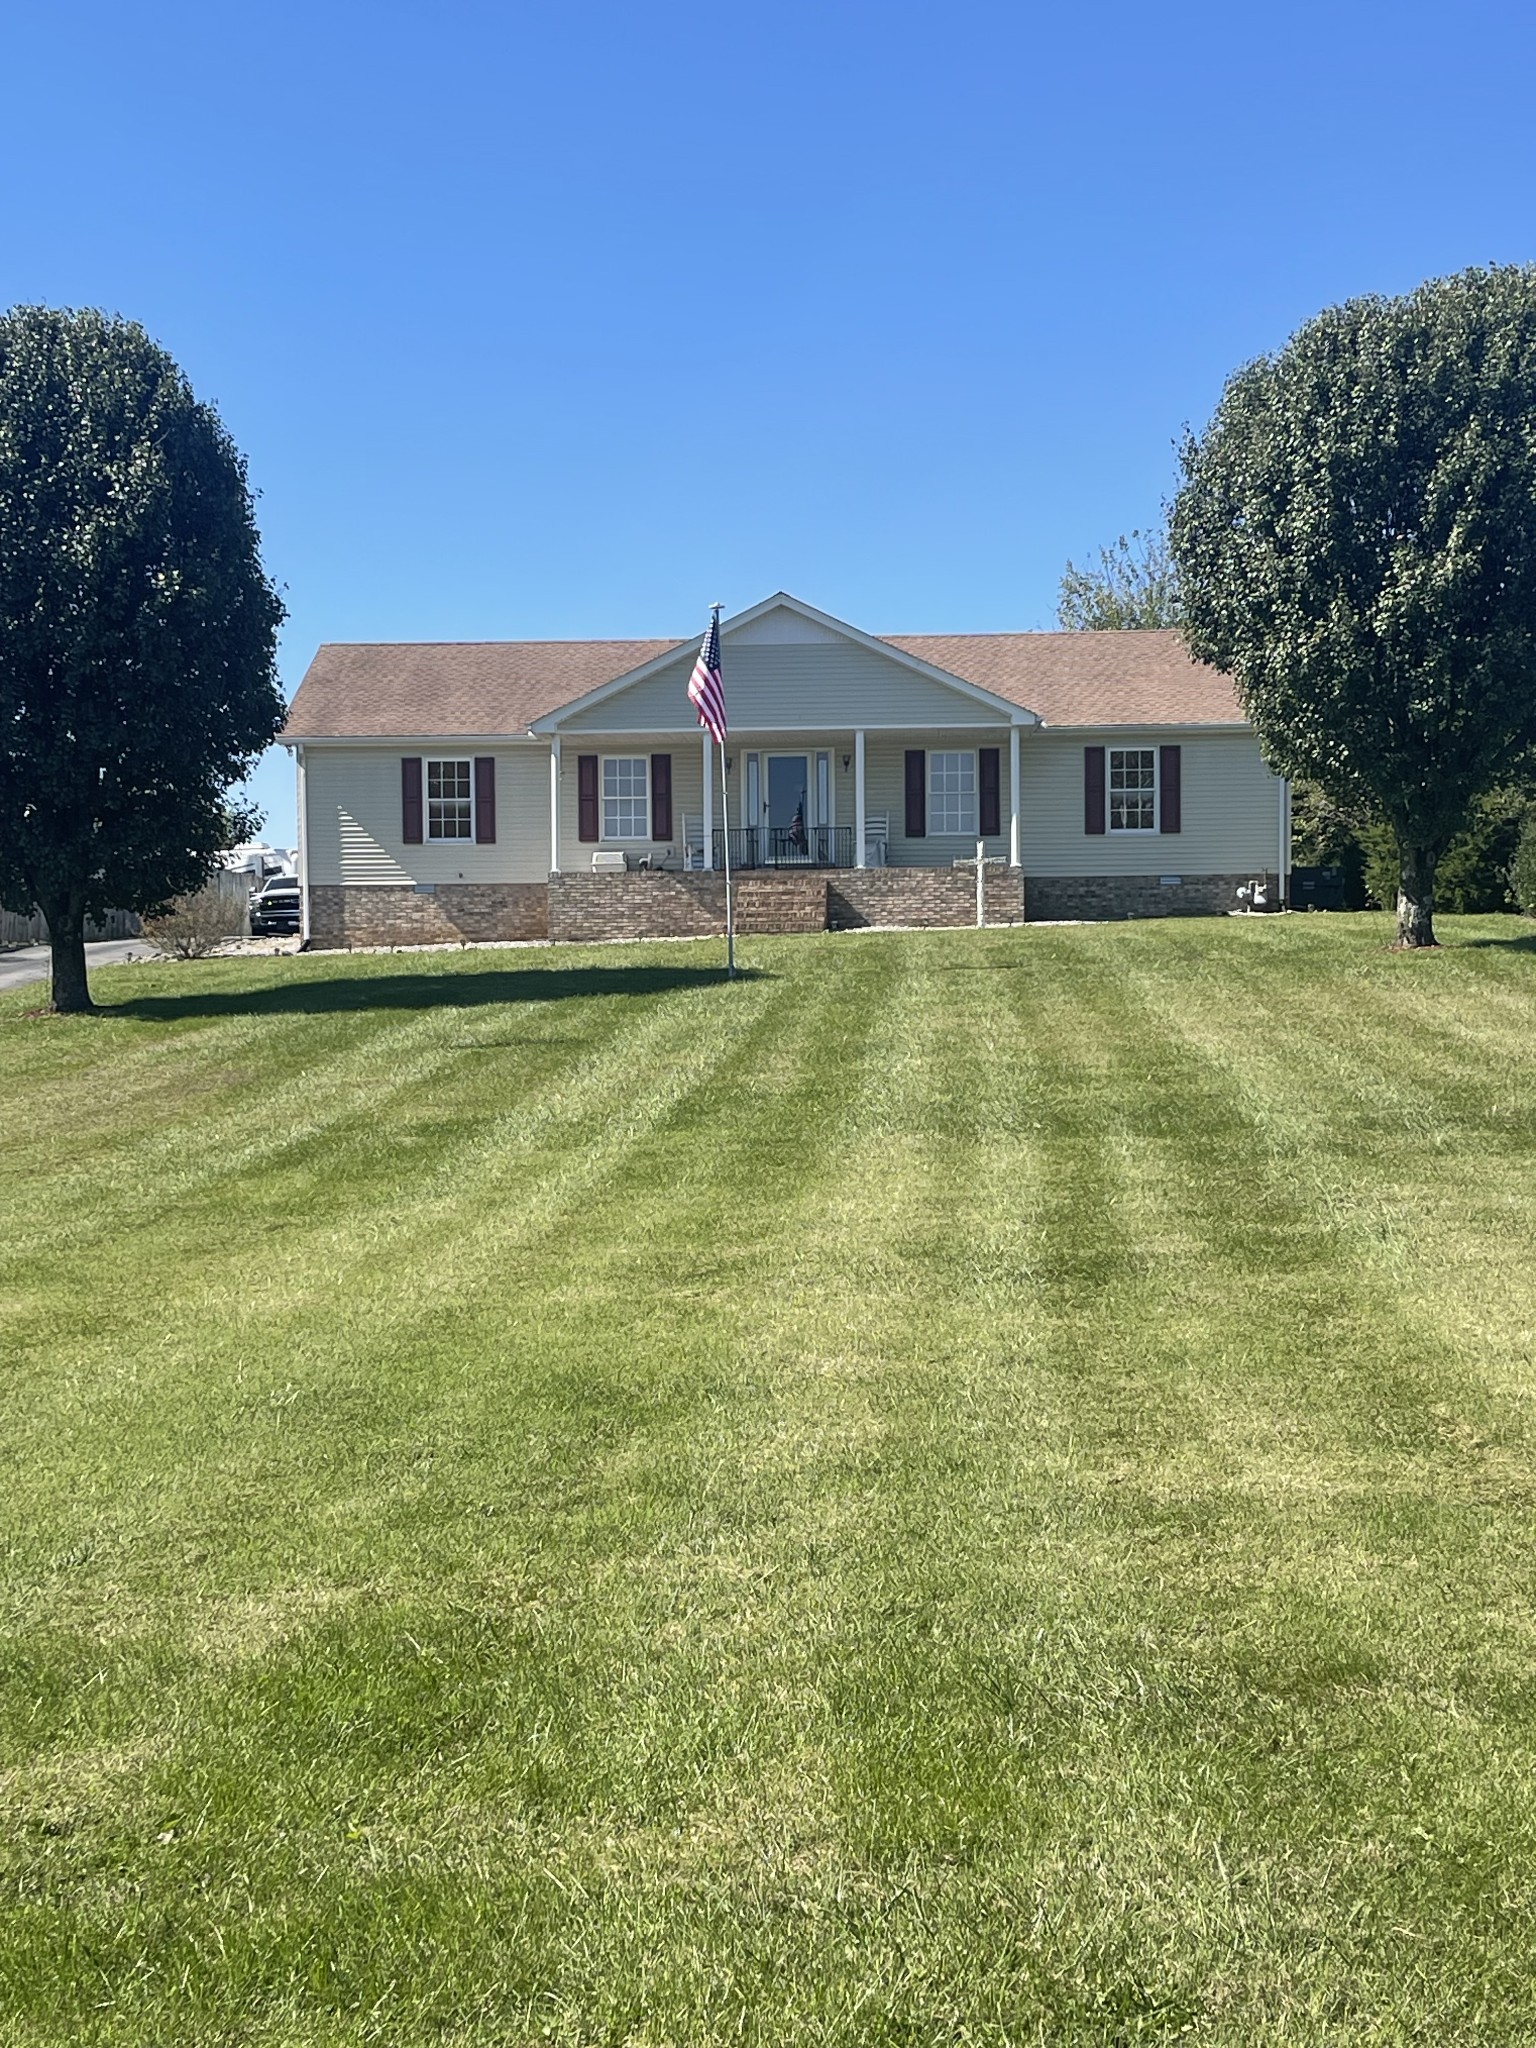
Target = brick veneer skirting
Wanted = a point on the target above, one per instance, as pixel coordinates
(1067, 896)
(667, 905)
(920, 896)
(469, 911)
(662, 904)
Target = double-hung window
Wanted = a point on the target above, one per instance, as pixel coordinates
(626, 797)
(952, 793)
(450, 803)
(1133, 789)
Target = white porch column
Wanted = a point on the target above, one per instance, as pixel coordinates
(858, 798)
(709, 804)
(1013, 796)
(554, 805)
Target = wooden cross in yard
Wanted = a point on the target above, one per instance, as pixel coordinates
(981, 864)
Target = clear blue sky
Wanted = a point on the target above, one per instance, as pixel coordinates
(559, 320)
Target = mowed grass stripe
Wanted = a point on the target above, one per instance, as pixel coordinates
(1433, 1149)
(634, 1779)
(903, 1554)
(359, 1138)
(299, 1332)
(351, 1089)
(1335, 1367)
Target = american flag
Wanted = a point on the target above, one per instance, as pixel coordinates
(706, 692)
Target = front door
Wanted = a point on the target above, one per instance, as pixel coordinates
(789, 807)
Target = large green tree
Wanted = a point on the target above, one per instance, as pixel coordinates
(1132, 584)
(1356, 544)
(137, 628)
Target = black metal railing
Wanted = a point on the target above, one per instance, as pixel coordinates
(787, 846)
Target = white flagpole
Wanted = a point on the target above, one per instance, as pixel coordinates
(725, 819)
(711, 698)
(725, 837)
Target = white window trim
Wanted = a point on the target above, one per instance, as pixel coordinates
(1134, 831)
(605, 837)
(966, 832)
(446, 761)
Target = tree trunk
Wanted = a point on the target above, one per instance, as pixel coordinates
(1416, 896)
(66, 938)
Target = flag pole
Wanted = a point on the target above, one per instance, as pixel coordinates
(725, 839)
(706, 694)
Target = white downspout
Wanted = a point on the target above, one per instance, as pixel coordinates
(302, 780)
(1013, 796)
(554, 804)
(858, 799)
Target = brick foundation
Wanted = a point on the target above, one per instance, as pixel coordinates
(1110, 896)
(920, 896)
(471, 912)
(665, 904)
(662, 904)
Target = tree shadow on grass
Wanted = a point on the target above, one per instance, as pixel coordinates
(349, 992)
(1525, 943)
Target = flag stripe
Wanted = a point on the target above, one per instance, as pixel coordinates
(706, 692)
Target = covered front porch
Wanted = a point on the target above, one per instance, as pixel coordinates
(859, 799)
(836, 800)
(845, 753)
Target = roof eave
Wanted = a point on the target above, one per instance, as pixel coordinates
(405, 739)
(1148, 725)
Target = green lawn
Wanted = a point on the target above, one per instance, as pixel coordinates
(969, 1488)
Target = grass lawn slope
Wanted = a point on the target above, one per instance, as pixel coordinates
(970, 1488)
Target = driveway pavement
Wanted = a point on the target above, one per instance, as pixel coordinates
(31, 963)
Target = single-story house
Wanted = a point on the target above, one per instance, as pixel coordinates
(563, 789)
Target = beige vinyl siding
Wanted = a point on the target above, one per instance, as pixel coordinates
(780, 688)
(885, 789)
(687, 796)
(354, 818)
(1230, 805)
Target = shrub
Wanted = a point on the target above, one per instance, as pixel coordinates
(1522, 869)
(1475, 868)
(194, 926)
(1324, 835)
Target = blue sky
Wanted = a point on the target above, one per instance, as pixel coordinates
(560, 320)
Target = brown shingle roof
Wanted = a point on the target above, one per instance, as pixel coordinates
(418, 689)
(397, 690)
(1130, 678)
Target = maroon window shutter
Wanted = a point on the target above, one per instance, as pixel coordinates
(410, 800)
(1093, 789)
(989, 777)
(586, 798)
(917, 793)
(1169, 794)
(485, 799)
(661, 796)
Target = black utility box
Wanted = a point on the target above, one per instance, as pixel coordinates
(1317, 889)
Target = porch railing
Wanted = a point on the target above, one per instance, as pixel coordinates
(787, 846)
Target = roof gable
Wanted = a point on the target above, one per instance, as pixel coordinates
(787, 665)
